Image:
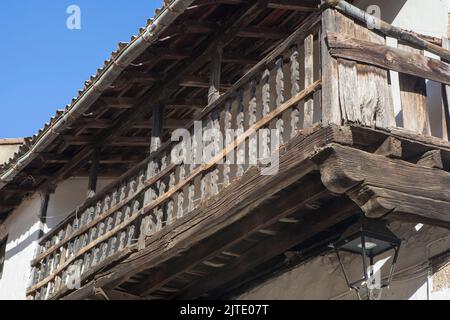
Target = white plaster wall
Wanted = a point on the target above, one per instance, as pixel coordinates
(68, 195)
(7, 151)
(23, 226)
(321, 278)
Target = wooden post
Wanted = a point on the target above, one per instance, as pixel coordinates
(446, 99)
(43, 213)
(214, 81)
(93, 173)
(157, 118)
(331, 112)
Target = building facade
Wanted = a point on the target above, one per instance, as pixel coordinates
(334, 118)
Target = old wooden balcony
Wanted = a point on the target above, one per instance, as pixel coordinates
(168, 230)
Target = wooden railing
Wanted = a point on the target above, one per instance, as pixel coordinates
(332, 70)
(282, 92)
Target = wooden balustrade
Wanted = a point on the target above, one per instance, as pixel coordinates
(270, 96)
(355, 67)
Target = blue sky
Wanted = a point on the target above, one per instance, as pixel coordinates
(43, 64)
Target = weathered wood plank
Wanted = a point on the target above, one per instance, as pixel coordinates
(331, 112)
(312, 224)
(431, 159)
(215, 75)
(357, 174)
(391, 148)
(309, 79)
(413, 93)
(446, 99)
(389, 58)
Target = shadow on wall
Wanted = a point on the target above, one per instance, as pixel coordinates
(22, 245)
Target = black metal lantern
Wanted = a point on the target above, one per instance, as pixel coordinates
(371, 240)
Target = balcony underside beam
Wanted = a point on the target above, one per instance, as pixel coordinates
(349, 160)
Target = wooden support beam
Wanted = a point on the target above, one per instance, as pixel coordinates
(385, 187)
(390, 58)
(264, 32)
(215, 73)
(119, 103)
(312, 224)
(145, 124)
(431, 159)
(157, 121)
(331, 110)
(116, 295)
(187, 104)
(293, 5)
(391, 148)
(93, 173)
(119, 141)
(446, 98)
(200, 82)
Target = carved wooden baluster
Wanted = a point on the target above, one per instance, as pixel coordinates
(309, 79)
(152, 170)
(92, 234)
(109, 223)
(87, 263)
(295, 88)
(122, 240)
(264, 137)
(131, 235)
(90, 212)
(191, 197)
(240, 150)
(83, 219)
(51, 264)
(112, 245)
(171, 204)
(164, 161)
(70, 250)
(101, 229)
(33, 277)
(279, 84)
(68, 231)
(180, 196)
(229, 136)
(114, 199)
(252, 118)
(103, 251)
(132, 187)
(126, 214)
(159, 216)
(214, 179)
(83, 241)
(123, 193)
(57, 283)
(141, 180)
(95, 255)
(118, 218)
(98, 209)
(107, 203)
(206, 157)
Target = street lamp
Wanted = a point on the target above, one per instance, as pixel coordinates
(371, 241)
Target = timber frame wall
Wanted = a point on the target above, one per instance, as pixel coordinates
(326, 89)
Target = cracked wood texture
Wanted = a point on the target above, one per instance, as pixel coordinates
(396, 193)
